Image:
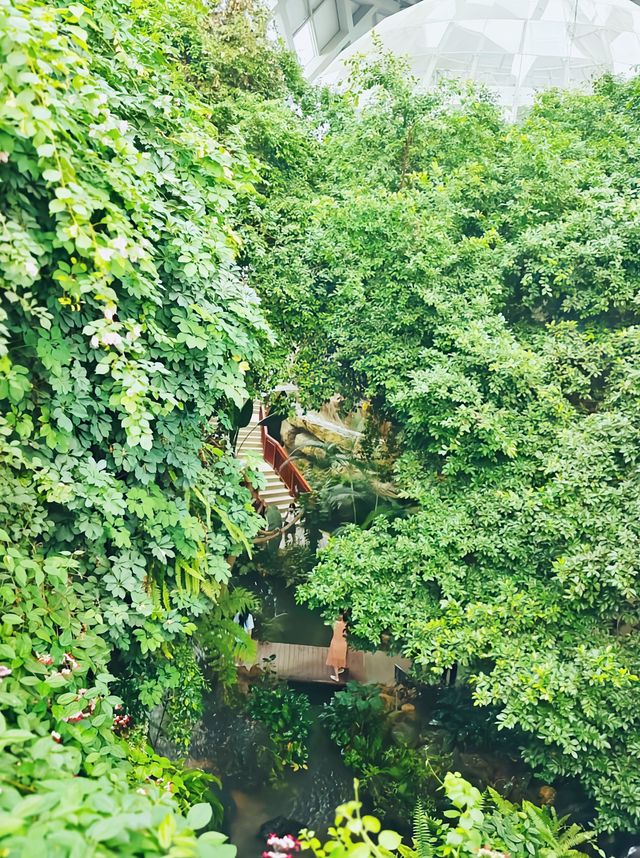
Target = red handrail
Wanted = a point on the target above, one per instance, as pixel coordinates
(276, 456)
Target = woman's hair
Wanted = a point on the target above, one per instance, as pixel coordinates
(244, 616)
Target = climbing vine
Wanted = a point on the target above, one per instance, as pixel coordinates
(124, 330)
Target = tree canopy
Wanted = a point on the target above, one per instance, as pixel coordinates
(162, 165)
(477, 283)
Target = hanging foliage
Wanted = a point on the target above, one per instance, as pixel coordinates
(124, 328)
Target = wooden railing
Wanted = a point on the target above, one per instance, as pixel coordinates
(276, 456)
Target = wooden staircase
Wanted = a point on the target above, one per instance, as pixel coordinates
(250, 439)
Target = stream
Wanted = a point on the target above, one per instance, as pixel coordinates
(231, 746)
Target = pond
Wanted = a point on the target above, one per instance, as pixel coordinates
(232, 746)
(281, 619)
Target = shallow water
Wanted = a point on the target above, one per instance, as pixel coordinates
(281, 619)
(233, 747)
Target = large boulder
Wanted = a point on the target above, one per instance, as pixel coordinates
(279, 825)
(307, 443)
(288, 434)
(327, 430)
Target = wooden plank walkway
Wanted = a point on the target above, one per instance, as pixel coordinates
(300, 663)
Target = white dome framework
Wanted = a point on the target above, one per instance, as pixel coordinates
(515, 47)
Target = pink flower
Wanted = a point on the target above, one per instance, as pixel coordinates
(73, 719)
(5, 671)
(45, 659)
(69, 661)
(4, 157)
(56, 736)
(109, 312)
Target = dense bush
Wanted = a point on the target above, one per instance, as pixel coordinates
(287, 716)
(124, 329)
(480, 825)
(393, 776)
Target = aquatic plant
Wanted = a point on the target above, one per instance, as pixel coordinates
(287, 716)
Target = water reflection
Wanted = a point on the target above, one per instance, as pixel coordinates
(236, 749)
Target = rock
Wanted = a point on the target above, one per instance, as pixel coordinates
(305, 440)
(518, 790)
(279, 825)
(547, 795)
(475, 768)
(288, 434)
(436, 741)
(327, 430)
(405, 733)
(388, 700)
(331, 410)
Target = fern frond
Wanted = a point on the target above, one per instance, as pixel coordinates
(423, 837)
(502, 804)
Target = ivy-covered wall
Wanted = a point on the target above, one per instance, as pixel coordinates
(126, 337)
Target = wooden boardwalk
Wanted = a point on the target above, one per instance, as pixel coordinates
(300, 663)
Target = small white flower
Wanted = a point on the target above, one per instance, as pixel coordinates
(4, 157)
(109, 312)
(106, 253)
(111, 338)
(31, 268)
(120, 244)
(95, 342)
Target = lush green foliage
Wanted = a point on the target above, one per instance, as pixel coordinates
(477, 283)
(287, 716)
(393, 775)
(485, 825)
(124, 328)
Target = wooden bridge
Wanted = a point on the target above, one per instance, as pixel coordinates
(299, 663)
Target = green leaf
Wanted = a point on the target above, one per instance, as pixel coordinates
(199, 815)
(389, 839)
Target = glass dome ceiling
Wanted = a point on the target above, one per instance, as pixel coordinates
(515, 47)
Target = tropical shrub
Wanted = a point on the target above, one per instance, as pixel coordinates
(476, 824)
(224, 642)
(287, 716)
